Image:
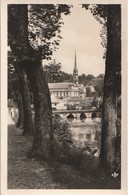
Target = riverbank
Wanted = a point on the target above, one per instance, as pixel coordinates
(23, 172)
(29, 173)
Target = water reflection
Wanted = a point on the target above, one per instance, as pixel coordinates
(86, 132)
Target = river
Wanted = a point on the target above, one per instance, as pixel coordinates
(87, 133)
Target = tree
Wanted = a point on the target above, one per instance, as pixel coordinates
(99, 87)
(90, 77)
(13, 89)
(23, 98)
(25, 46)
(112, 89)
(65, 77)
(52, 71)
(86, 80)
(112, 83)
(12, 81)
(100, 76)
(26, 100)
(82, 79)
(88, 92)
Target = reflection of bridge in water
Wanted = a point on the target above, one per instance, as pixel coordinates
(88, 113)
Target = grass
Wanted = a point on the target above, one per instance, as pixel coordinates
(29, 173)
(25, 173)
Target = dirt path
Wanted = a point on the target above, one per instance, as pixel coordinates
(24, 173)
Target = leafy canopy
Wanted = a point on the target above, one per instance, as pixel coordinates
(100, 14)
(44, 24)
(52, 71)
(35, 28)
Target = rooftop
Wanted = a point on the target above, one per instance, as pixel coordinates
(59, 85)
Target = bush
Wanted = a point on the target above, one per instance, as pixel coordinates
(64, 146)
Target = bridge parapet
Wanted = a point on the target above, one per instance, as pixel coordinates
(79, 113)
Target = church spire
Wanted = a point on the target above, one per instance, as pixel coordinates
(75, 71)
(75, 66)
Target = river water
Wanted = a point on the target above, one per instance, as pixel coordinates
(87, 132)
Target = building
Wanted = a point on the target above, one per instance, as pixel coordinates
(75, 72)
(68, 89)
(70, 94)
(58, 104)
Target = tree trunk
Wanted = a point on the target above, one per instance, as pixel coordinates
(19, 43)
(20, 120)
(26, 100)
(43, 133)
(112, 89)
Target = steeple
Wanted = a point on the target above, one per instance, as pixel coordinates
(75, 65)
(75, 71)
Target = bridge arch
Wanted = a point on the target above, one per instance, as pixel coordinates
(70, 116)
(83, 115)
(94, 115)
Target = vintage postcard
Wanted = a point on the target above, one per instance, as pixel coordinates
(63, 97)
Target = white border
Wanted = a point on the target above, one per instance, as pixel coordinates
(4, 190)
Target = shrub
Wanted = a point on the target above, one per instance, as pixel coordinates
(64, 146)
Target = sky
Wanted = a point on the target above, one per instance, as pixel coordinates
(80, 32)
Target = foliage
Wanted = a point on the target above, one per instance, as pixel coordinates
(82, 79)
(63, 138)
(29, 56)
(98, 10)
(13, 80)
(100, 13)
(90, 77)
(25, 173)
(42, 29)
(44, 26)
(66, 77)
(86, 79)
(96, 102)
(13, 86)
(99, 88)
(52, 71)
(100, 76)
(72, 107)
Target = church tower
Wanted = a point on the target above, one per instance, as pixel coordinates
(75, 72)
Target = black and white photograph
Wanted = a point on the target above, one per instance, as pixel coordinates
(65, 87)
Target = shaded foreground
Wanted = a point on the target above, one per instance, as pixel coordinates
(29, 173)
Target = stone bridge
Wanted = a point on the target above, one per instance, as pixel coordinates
(88, 113)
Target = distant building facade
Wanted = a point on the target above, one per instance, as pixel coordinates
(68, 94)
(68, 89)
